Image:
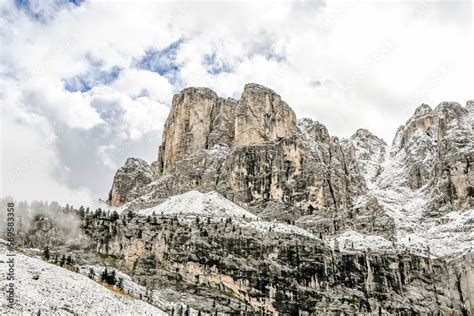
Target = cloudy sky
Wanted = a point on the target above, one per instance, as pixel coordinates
(84, 85)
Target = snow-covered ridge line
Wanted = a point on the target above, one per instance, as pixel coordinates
(195, 203)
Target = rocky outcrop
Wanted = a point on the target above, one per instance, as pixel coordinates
(369, 152)
(295, 274)
(199, 119)
(129, 181)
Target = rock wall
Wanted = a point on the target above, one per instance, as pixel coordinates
(231, 268)
(254, 152)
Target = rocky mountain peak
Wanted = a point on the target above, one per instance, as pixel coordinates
(369, 151)
(188, 126)
(364, 134)
(262, 116)
(422, 110)
(449, 111)
(315, 130)
(199, 120)
(132, 163)
(255, 153)
(434, 151)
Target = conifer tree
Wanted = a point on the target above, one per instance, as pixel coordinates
(46, 254)
(91, 273)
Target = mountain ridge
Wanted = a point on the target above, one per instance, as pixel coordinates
(294, 170)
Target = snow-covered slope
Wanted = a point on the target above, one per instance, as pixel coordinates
(195, 203)
(163, 298)
(48, 289)
(214, 206)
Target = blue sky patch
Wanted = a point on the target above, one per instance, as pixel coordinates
(162, 61)
(44, 11)
(214, 65)
(93, 77)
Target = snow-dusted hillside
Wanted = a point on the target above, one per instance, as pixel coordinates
(214, 206)
(195, 203)
(48, 289)
(163, 298)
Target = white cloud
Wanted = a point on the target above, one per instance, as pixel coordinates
(134, 116)
(137, 82)
(28, 161)
(70, 108)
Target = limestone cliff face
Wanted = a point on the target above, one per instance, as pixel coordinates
(199, 119)
(188, 126)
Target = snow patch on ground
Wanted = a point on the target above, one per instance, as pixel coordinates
(212, 205)
(59, 291)
(351, 240)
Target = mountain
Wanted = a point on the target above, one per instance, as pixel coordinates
(254, 152)
(249, 210)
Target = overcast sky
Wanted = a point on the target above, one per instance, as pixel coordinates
(86, 85)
